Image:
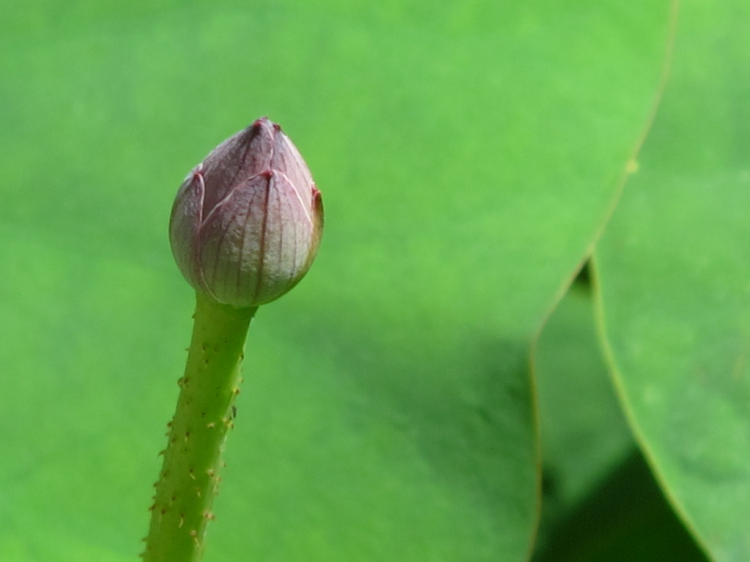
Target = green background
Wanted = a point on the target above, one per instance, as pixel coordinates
(470, 154)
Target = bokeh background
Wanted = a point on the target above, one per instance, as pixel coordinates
(471, 154)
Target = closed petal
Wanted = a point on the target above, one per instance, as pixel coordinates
(236, 160)
(288, 160)
(287, 241)
(184, 224)
(255, 244)
(230, 242)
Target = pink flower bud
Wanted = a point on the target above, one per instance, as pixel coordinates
(247, 221)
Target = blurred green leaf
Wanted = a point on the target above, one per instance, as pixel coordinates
(467, 154)
(600, 501)
(675, 277)
(584, 435)
(626, 519)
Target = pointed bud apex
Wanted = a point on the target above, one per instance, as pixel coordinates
(247, 221)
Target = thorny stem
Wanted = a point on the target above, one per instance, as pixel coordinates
(189, 478)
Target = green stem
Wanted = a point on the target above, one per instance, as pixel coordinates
(189, 478)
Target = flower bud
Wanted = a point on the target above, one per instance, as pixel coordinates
(247, 221)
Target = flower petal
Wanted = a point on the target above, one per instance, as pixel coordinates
(184, 224)
(287, 159)
(255, 244)
(236, 160)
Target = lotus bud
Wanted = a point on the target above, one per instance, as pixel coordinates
(247, 221)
